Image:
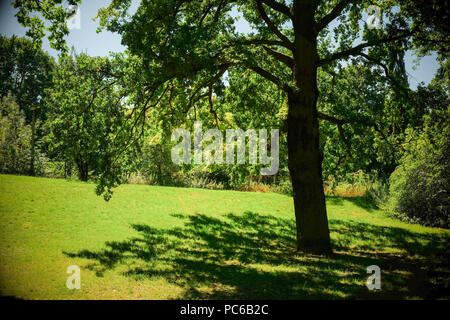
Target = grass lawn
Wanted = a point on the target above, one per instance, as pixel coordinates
(171, 243)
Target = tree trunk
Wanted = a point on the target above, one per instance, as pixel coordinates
(305, 166)
(305, 159)
(83, 171)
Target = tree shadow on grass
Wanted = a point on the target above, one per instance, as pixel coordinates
(251, 256)
(412, 264)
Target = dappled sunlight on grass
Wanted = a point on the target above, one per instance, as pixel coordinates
(169, 243)
(251, 256)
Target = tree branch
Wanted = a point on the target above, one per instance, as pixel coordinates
(388, 74)
(280, 57)
(263, 73)
(219, 9)
(262, 42)
(205, 13)
(271, 26)
(277, 6)
(331, 119)
(193, 99)
(357, 50)
(340, 122)
(337, 10)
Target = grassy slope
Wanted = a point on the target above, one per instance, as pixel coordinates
(166, 243)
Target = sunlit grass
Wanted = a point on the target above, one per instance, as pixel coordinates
(170, 243)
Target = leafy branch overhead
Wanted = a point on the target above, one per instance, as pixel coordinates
(192, 39)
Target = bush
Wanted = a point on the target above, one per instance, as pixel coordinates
(255, 187)
(356, 184)
(284, 187)
(419, 186)
(204, 183)
(205, 177)
(49, 169)
(137, 178)
(378, 194)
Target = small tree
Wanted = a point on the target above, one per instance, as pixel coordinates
(85, 110)
(15, 138)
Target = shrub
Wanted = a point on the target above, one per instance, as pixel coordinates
(420, 184)
(137, 178)
(255, 187)
(378, 194)
(284, 187)
(205, 177)
(356, 184)
(204, 183)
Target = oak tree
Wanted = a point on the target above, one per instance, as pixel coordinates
(188, 46)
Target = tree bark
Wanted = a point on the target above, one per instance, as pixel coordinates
(83, 170)
(305, 159)
(305, 166)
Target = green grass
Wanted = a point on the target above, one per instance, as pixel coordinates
(172, 243)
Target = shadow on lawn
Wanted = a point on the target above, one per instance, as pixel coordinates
(252, 256)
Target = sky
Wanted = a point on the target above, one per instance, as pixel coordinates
(87, 40)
